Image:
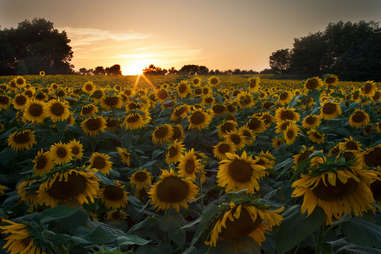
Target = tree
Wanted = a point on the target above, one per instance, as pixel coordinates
(34, 46)
(113, 70)
(99, 70)
(153, 70)
(192, 69)
(280, 60)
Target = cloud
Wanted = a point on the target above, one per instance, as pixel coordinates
(86, 36)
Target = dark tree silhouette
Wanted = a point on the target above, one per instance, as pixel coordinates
(34, 46)
(280, 60)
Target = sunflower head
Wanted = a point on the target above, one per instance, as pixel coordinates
(311, 121)
(136, 120)
(21, 140)
(172, 191)
(76, 149)
(94, 125)
(141, 179)
(174, 152)
(359, 119)
(162, 134)
(61, 153)
(330, 110)
(58, 110)
(124, 155)
(314, 83)
(189, 165)
(43, 162)
(113, 196)
(100, 162)
(222, 148)
(316, 136)
(213, 81)
(199, 120)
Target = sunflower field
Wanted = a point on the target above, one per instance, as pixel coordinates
(189, 164)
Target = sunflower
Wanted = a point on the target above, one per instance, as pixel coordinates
(162, 134)
(124, 155)
(316, 136)
(19, 239)
(174, 152)
(20, 101)
(371, 157)
(35, 111)
(76, 149)
(245, 100)
(58, 110)
(197, 91)
(218, 109)
(21, 140)
(116, 215)
(162, 94)
(88, 87)
(93, 125)
(61, 153)
(236, 139)
(378, 127)
(240, 172)
(20, 81)
(226, 127)
(67, 187)
(98, 95)
(277, 142)
(331, 79)
(284, 114)
(172, 191)
(141, 179)
(312, 84)
(100, 162)
(199, 120)
(337, 193)
(350, 144)
(222, 148)
(285, 97)
(180, 112)
(290, 134)
(311, 121)
(134, 121)
(43, 162)
(2, 189)
(359, 119)
(369, 89)
(377, 96)
(303, 156)
(27, 194)
(5, 101)
(183, 89)
(196, 81)
(241, 221)
(189, 165)
(213, 81)
(256, 125)
(330, 110)
(206, 90)
(111, 101)
(89, 109)
(254, 84)
(113, 196)
(208, 99)
(265, 159)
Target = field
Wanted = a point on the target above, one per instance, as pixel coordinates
(189, 164)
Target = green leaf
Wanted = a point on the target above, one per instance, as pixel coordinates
(296, 227)
(127, 240)
(57, 213)
(100, 236)
(362, 232)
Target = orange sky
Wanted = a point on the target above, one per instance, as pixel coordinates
(221, 34)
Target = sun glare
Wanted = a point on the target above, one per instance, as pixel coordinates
(135, 67)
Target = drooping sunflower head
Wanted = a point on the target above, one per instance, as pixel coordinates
(162, 94)
(172, 191)
(111, 101)
(199, 120)
(35, 111)
(89, 109)
(162, 134)
(180, 112)
(240, 172)
(350, 144)
(21, 140)
(141, 179)
(311, 121)
(359, 119)
(331, 79)
(226, 127)
(5, 101)
(43, 162)
(124, 155)
(183, 89)
(69, 187)
(174, 152)
(133, 121)
(245, 100)
(254, 84)
(61, 153)
(265, 159)
(113, 196)
(371, 157)
(100, 162)
(316, 136)
(98, 95)
(93, 125)
(236, 139)
(336, 192)
(241, 221)
(248, 134)
(256, 125)
(290, 133)
(368, 89)
(330, 110)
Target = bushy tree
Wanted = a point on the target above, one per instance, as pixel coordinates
(34, 46)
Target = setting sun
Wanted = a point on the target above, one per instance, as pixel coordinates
(136, 67)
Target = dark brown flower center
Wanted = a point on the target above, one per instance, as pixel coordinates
(93, 124)
(223, 148)
(197, 118)
(338, 192)
(111, 101)
(173, 151)
(254, 123)
(4, 100)
(41, 162)
(240, 170)
(190, 166)
(113, 193)
(236, 139)
(75, 150)
(227, 127)
(141, 176)
(283, 96)
(372, 158)
(182, 88)
(240, 227)
(375, 187)
(87, 109)
(22, 138)
(177, 133)
(218, 109)
(311, 120)
(161, 132)
(20, 100)
(61, 152)
(329, 108)
(66, 190)
(35, 109)
(287, 115)
(312, 84)
(99, 162)
(97, 94)
(214, 81)
(290, 133)
(172, 190)
(162, 94)
(358, 117)
(57, 109)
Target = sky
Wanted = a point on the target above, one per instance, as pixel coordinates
(220, 34)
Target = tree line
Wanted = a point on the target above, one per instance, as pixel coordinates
(351, 50)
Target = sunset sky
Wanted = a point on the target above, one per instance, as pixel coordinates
(221, 34)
